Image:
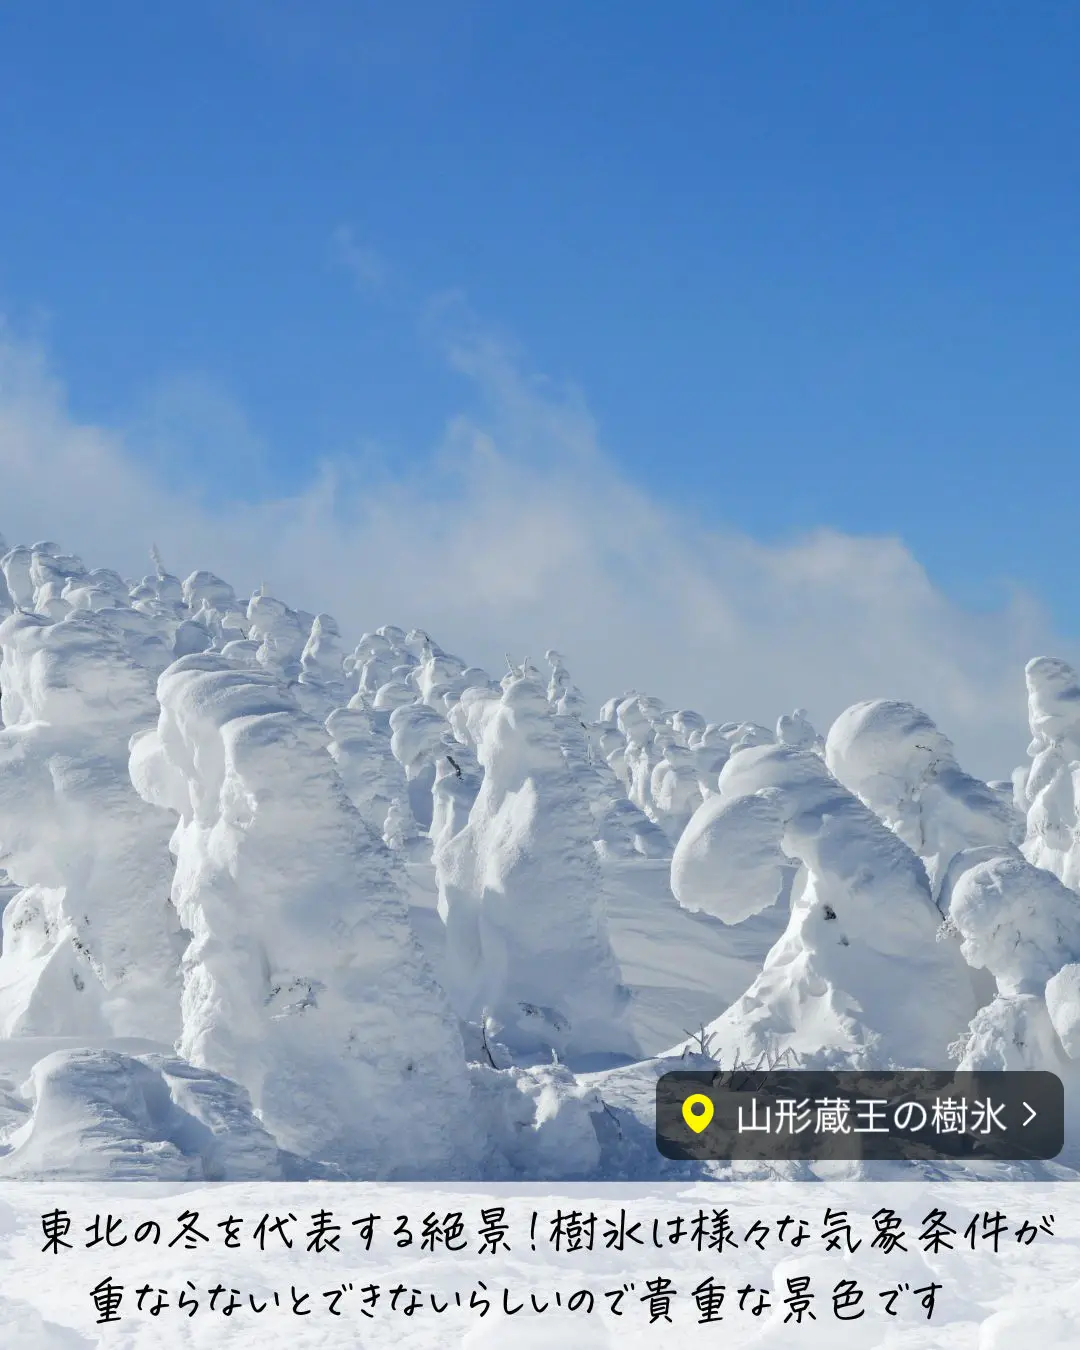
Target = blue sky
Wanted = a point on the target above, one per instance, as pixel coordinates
(807, 264)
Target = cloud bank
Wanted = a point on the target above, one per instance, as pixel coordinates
(519, 534)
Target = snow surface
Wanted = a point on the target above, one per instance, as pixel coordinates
(284, 904)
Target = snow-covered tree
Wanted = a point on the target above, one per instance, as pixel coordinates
(281, 633)
(521, 893)
(796, 729)
(456, 785)
(857, 978)
(50, 573)
(303, 981)
(439, 677)
(1020, 925)
(370, 665)
(97, 589)
(418, 739)
(91, 942)
(1051, 787)
(204, 587)
(563, 694)
(321, 682)
(15, 565)
(360, 746)
(893, 757)
(674, 789)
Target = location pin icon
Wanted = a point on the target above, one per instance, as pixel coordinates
(697, 1111)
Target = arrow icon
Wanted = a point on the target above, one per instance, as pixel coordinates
(1032, 1114)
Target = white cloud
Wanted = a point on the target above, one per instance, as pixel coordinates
(368, 268)
(519, 535)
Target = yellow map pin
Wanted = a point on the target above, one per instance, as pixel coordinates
(697, 1111)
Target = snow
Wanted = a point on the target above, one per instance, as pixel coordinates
(283, 903)
(321, 682)
(1063, 1006)
(521, 892)
(1022, 925)
(897, 761)
(303, 981)
(1015, 920)
(92, 939)
(849, 980)
(360, 747)
(419, 736)
(280, 632)
(1049, 787)
(100, 1113)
